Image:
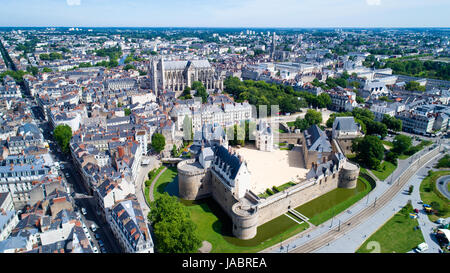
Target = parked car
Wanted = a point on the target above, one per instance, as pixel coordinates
(100, 243)
(93, 227)
(97, 236)
(422, 247)
(95, 249)
(103, 250)
(83, 210)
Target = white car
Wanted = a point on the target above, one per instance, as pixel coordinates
(83, 210)
(95, 249)
(93, 227)
(422, 247)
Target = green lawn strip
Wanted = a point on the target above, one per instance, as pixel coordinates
(165, 178)
(156, 172)
(396, 235)
(429, 193)
(324, 207)
(386, 168)
(403, 157)
(147, 197)
(388, 143)
(210, 228)
(290, 123)
(285, 186)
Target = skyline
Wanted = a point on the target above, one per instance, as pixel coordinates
(228, 14)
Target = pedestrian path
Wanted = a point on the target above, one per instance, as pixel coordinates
(349, 243)
(153, 183)
(335, 222)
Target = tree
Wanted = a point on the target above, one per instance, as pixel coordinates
(301, 124)
(374, 127)
(402, 144)
(129, 66)
(201, 91)
(414, 86)
(175, 232)
(174, 150)
(158, 142)
(323, 100)
(392, 123)
(369, 151)
(313, 117)
(391, 157)
(62, 135)
(127, 111)
(47, 70)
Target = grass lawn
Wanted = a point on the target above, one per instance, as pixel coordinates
(396, 235)
(386, 169)
(290, 123)
(388, 143)
(402, 156)
(214, 226)
(285, 186)
(324, 207)
(429, 193)
(168, 176)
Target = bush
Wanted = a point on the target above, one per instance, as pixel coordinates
(269, 192)
(275, 189)
(435, 205)
(148, 183)
(392, 157)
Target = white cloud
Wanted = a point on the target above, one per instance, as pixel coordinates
(373, 2)
(73, 2)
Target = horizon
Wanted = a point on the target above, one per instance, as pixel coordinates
(227, 14)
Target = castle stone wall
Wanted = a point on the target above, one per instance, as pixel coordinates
(194, 182)
(294, 196)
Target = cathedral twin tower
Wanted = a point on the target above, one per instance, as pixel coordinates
(177, 75)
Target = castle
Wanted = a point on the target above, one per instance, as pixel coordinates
(224, 175)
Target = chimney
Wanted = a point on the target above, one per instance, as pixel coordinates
(121, 151)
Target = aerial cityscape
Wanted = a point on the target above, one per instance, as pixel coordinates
(149, 137)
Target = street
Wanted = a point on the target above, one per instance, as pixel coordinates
(78, 191)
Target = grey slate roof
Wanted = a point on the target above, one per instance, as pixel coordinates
(346, 124)
(316, 140)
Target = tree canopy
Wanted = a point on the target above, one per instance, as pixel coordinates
(62, 135)
(312, 117)
(392, 123)
(158, 142)
(174, 230)
(402, 144)
(369, 151)
(261, 93)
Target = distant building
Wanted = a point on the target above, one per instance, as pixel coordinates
(177, 75)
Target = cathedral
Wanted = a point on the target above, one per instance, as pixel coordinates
(176, 75)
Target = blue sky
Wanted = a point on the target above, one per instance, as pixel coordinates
(226, 13)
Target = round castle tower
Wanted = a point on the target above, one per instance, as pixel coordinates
(193, 181)
(348, 175)
(245, 221)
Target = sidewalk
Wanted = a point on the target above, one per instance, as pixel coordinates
(317, 232)
(350, 242)
(139, 185)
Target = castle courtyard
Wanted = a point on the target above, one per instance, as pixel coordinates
(274, 168)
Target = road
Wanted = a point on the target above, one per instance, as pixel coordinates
(324, 234)
(442, 183)
(352, 240)
(77, 189)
